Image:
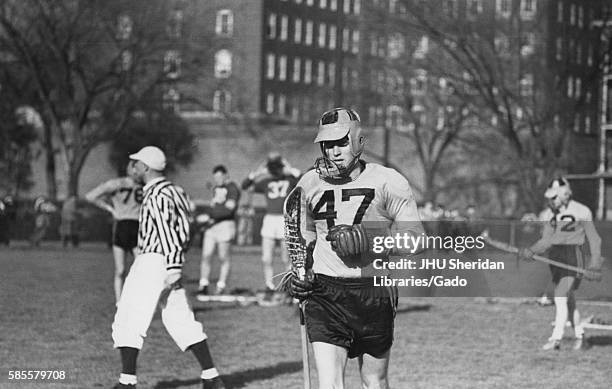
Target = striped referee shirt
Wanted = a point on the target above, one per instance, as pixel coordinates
(164, 222)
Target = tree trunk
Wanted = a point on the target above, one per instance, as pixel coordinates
(49, 163)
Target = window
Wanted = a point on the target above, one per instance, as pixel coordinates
(526, 85)
(346, 6)
(474, 8)
(269, 103)
(307, 71)
(309, 2)
(587, 124)
(373, 45)
(381, 46)
(271, 26)
(450, 8)
(503, 8)
(422, 48)
(332, 37)
(270, 66)
(172, 64)
(309, 27)
(297, 32)
(175, 24)
(297, 65)
(222, 101)
(590, 55)
(322, 4)
(528, 9)
(345, 39)
(333, 5)
(284, 32)
(356, 6)
(225, 22)
(321, 73)
(559, 49)
(578, 52)
(126, 60)
(571, 44)
(572, 14)
(577, 122)
(282, 105)
(223, 63)
(124, 27)
(170, 100)
(322, 35)
(560, 11)
(331, 74)
(418, 83)
(502, 44)
(355, 45)
(396, 45)
(394, 116)
(580, 16)
(392, 6)
(282, 67)
(578, 88)
(345, 77)
(527, 43)
(570, 86)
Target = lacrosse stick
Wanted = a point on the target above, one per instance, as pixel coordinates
(295, 223)
(511, 249)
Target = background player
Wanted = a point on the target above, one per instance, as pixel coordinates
(155, 277)
(122, 198)
(346, 315)
(566, 224)
(219, 219)
(275, 180)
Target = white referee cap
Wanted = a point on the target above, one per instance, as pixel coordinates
(151, 156)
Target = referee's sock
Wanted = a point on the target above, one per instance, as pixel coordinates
(128, 360)
(202, 354)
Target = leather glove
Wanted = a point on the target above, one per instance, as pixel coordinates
(525, 254)
(347, 240)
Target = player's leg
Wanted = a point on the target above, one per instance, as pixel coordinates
(208, 249)
(561, 292)
(374, 371)
(224, 251)
(120, 273)
(574, 317)
(330, 361)
(135, 310)
(267, 254)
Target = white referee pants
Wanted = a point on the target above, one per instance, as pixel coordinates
(144, 288)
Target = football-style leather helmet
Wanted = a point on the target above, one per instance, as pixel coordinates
(334, 125)
(558, 193)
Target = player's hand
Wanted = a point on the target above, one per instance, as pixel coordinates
(204, 220)
(173, 279)
(593, 273)
(302, 289)
(347, 240)
(525, 254)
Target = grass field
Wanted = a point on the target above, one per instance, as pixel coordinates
(57, 307)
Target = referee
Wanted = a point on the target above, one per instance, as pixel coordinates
(155, 276)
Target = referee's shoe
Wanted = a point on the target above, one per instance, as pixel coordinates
(214, 383)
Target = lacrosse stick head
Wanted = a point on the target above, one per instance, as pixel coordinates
(295, 224)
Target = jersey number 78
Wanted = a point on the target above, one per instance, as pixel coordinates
(328, 201)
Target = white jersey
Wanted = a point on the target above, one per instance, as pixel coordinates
(569, 226)
(379, 196)
(124, 194)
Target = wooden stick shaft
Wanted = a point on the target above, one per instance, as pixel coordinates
(511, 249)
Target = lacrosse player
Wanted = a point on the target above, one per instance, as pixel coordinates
(275, 180)
(566, 224)
(346, 315)
(121, 197)
(155, 276)
(221, 229)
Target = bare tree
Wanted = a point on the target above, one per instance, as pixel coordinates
(93, 65)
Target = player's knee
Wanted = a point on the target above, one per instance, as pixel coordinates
(374, 381)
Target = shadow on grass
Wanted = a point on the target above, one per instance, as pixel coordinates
(239, 379)
(413, 308)
(600, 340)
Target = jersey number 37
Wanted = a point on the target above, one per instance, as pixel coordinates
(325, 209)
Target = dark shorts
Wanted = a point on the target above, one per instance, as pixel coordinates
(352, 313)
(125, 234)
(570, 255)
